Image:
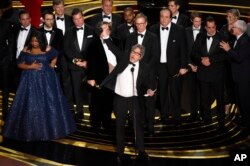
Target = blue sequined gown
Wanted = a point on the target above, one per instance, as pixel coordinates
(39, 111)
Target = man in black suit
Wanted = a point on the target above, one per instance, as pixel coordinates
(128, 27)
(21, 37)
(130, 81)
(53, 37)
(149, 41)
(210, 59)
(172, 63)
(5, 60)
(103, 55)
(64, 22)
(76, 42)
(177, 17)
(107, 16)
(239, 54)
(191, 78)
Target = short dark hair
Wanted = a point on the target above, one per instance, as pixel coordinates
(23, 12)
(47, 12)
(193, 15)
(107, 0)
(128, 9)
(76, 11)
(40, 38)
(176, 2)
(210, 19)
(58, 2)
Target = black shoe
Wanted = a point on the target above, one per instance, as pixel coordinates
(143, 156)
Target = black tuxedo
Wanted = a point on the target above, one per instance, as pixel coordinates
(56, 41)
(151, 45)
(5, 60)
(211, 77)
(72, 51)
(176, 59)
(123, 32)
(240, 63)
(190, 81)
(123, 104)
(66, 78)
(116, 21)
(98, 70)
(67, 21)
(182, 20)
(16, 31)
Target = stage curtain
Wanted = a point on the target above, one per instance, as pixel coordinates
(34, 8)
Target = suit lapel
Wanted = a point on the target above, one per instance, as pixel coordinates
(139, 77)
(76, 40)
(214, 44)
(52, 36)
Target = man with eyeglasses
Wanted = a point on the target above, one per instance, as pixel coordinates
(131, 81)
(149, 41)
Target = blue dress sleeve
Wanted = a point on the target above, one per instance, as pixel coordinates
(21, 57)
(52, 53)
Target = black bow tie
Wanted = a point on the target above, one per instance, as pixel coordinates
(23, 29)
(81, 28)
(164, 28)
(208, 37)
(174, 17)
(130, 26)
(48, 31)
(60, 18)
(105, 16)
(141, 35)
(132, 64)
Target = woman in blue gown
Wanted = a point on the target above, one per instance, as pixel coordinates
(39, 111)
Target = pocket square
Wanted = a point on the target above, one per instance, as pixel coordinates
(173, 41)
(89, 36)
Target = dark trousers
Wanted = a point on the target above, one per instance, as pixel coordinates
(121, 107)
(101, 107)
(170, 94)
(207, 90)
(79, 90)
(243, 100)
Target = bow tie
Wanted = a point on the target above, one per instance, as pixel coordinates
(196, 29)
(81, 28)
(132, 64)
(164, 28)
(60, 18)
(48, 31)
(23, 29)
(130, 26)
(208, 37)
(141, 35)
(105, 16)
(174, 17)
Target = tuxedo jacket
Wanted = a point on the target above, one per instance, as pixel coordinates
(190, 41)
(182, 20)
(68, 22)
(56, 41)
(5, 41)
(16, 31)
(240, 59)
(151, 45)
(217, 57)
(123, 32)
(71, 46)
(98, 68)
(229, 37)
(176, 48)
(143, 82)
(116, 21)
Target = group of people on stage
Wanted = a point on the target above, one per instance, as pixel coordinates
(121, 65)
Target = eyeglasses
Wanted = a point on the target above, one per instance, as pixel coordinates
(140, 23)
(134, 52)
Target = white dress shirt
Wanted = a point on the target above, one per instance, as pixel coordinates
(175, 20)
(164, 34)
(21, 39)
(60, 24)
(80, 36)
(109, 55)
(140, 39)
(48, 35)
(107, 19)
(126, 81)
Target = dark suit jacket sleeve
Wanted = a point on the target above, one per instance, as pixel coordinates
(114, 46)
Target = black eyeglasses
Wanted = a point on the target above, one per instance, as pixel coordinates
(136, 52)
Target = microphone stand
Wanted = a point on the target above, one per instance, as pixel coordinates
(132, 71)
